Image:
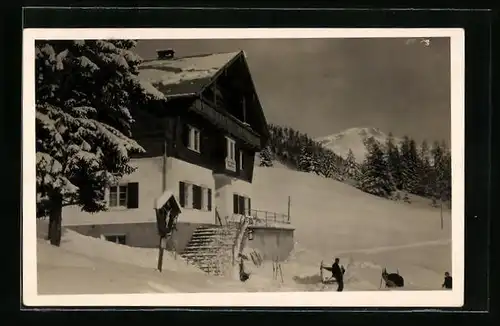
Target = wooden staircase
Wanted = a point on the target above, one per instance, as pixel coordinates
(210, 248)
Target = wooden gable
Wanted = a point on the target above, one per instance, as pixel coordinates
(233, 92)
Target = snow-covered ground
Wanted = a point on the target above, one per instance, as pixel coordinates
(332, 219)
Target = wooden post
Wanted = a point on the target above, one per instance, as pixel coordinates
(164, 174)
(442, 222)
(162, 245)
(289, 199)
(160, 253)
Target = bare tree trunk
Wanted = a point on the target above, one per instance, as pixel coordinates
(55, 219)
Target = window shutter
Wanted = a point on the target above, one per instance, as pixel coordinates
(133, 195)
(249, 208)
(235, 204)
(181, 194)
(209, 203)
(241, 205)
(197, 195)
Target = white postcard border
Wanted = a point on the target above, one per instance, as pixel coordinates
(451, 298)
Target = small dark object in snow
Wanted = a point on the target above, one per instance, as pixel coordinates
(392, 280)
(244, 277)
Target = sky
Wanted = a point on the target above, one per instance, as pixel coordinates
(324, 86)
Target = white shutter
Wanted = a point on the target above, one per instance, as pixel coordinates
(247, 206)
(189, 195)
(204, 199)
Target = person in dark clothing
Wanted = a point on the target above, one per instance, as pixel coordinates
(337, 273)
(448, 280)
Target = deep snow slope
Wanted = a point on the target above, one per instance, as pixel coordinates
(334, 219)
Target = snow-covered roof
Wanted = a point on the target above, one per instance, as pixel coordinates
(166, 196)
(183, 75)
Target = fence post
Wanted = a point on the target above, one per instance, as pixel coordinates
(289, 199)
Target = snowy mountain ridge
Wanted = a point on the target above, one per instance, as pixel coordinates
(353, 139)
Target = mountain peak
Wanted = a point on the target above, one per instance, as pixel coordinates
(353, 139)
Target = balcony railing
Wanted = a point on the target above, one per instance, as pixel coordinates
(258, 218)
(267, 217)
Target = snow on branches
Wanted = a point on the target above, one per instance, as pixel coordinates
(86, 94)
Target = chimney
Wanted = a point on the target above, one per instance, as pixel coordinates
(165, 54)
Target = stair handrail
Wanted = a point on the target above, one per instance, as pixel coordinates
(217, 215)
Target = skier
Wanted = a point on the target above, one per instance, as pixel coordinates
(337, 273)
(448, 280)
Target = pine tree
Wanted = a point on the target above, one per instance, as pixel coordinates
(424, 171)
(447, 177)
(394, 163)
(442, 172)
(305, 159)
(326, 164)
(266, 158)
(409, 163)
(375, 177)
(85, 91)
(437, 171)
(352, 169)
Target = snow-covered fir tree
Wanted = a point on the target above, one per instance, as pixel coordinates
(266, 158)
(446, 177)
(375, 177)
(85, 92)
(308, 160)
(409, 165)
(442, 172)
(393, 159)
(424, 171)
(352, 169)
(327, 164)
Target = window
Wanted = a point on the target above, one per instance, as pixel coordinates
(241, 160)
(241, 205)
(124, 195)
(116, 238)
(118, 196)
(194, 139)
(195, 196)
(230, 154)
